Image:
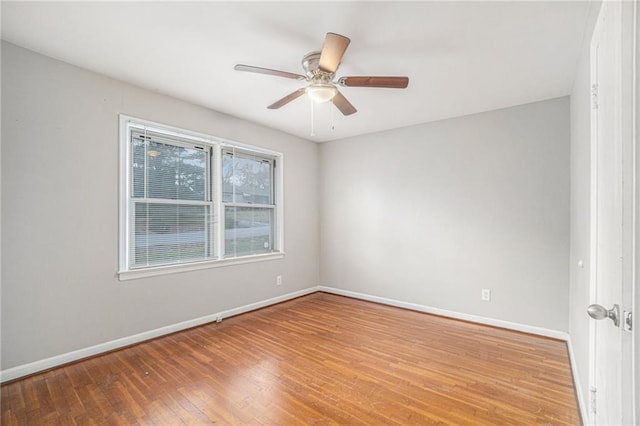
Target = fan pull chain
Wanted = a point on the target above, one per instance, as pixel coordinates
(333, 123)
(313, 133)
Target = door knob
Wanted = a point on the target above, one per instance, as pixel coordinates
(600, 312)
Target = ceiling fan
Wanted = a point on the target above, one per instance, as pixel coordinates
(320, 69)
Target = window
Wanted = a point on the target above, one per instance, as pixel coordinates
(175, 184)
(247, 195)
(170, 203)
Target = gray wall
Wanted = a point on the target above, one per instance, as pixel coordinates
(60, 214)
(433, 213)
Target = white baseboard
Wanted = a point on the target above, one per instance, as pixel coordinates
(582, 403)
(54, 361)
(47, 363)
(540, 331)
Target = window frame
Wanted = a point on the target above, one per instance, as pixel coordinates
(217, 146)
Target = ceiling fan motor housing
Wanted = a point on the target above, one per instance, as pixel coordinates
(311, 65)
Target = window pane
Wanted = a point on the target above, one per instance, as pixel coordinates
(246, 179)
(172, 172)
(162, 171)
(248, 230)
(192, 176)
(137, 167)
(169, 233)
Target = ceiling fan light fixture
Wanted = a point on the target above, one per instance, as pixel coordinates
(321, 92)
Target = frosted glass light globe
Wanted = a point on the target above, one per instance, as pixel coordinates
(321, 92)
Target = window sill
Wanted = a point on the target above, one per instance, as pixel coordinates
(196, 266)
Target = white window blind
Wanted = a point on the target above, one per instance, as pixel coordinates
(249, 206)
(171, 207)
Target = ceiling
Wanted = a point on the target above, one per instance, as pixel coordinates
(461, 57)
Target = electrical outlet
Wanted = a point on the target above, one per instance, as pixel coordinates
(485, 295)
(279, 280)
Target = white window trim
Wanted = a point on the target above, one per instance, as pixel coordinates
(217, 145)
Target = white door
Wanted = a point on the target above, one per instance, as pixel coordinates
(611, 379)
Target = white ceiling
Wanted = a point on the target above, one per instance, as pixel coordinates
(461, 57)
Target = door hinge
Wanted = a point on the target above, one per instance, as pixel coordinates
(594, 96)
(627, 321)
(592, 399)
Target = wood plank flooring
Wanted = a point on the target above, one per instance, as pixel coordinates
(319, 359)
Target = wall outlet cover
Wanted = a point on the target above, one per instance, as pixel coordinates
(486, 294)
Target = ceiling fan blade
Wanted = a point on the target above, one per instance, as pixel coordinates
(332, 51)
(343, 104)
(287, 99)
(277, 73)
(389, 82)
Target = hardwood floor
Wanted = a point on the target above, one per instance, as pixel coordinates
(319, 359)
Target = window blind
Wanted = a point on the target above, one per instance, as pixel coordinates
(171, 220)
(249, 206)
